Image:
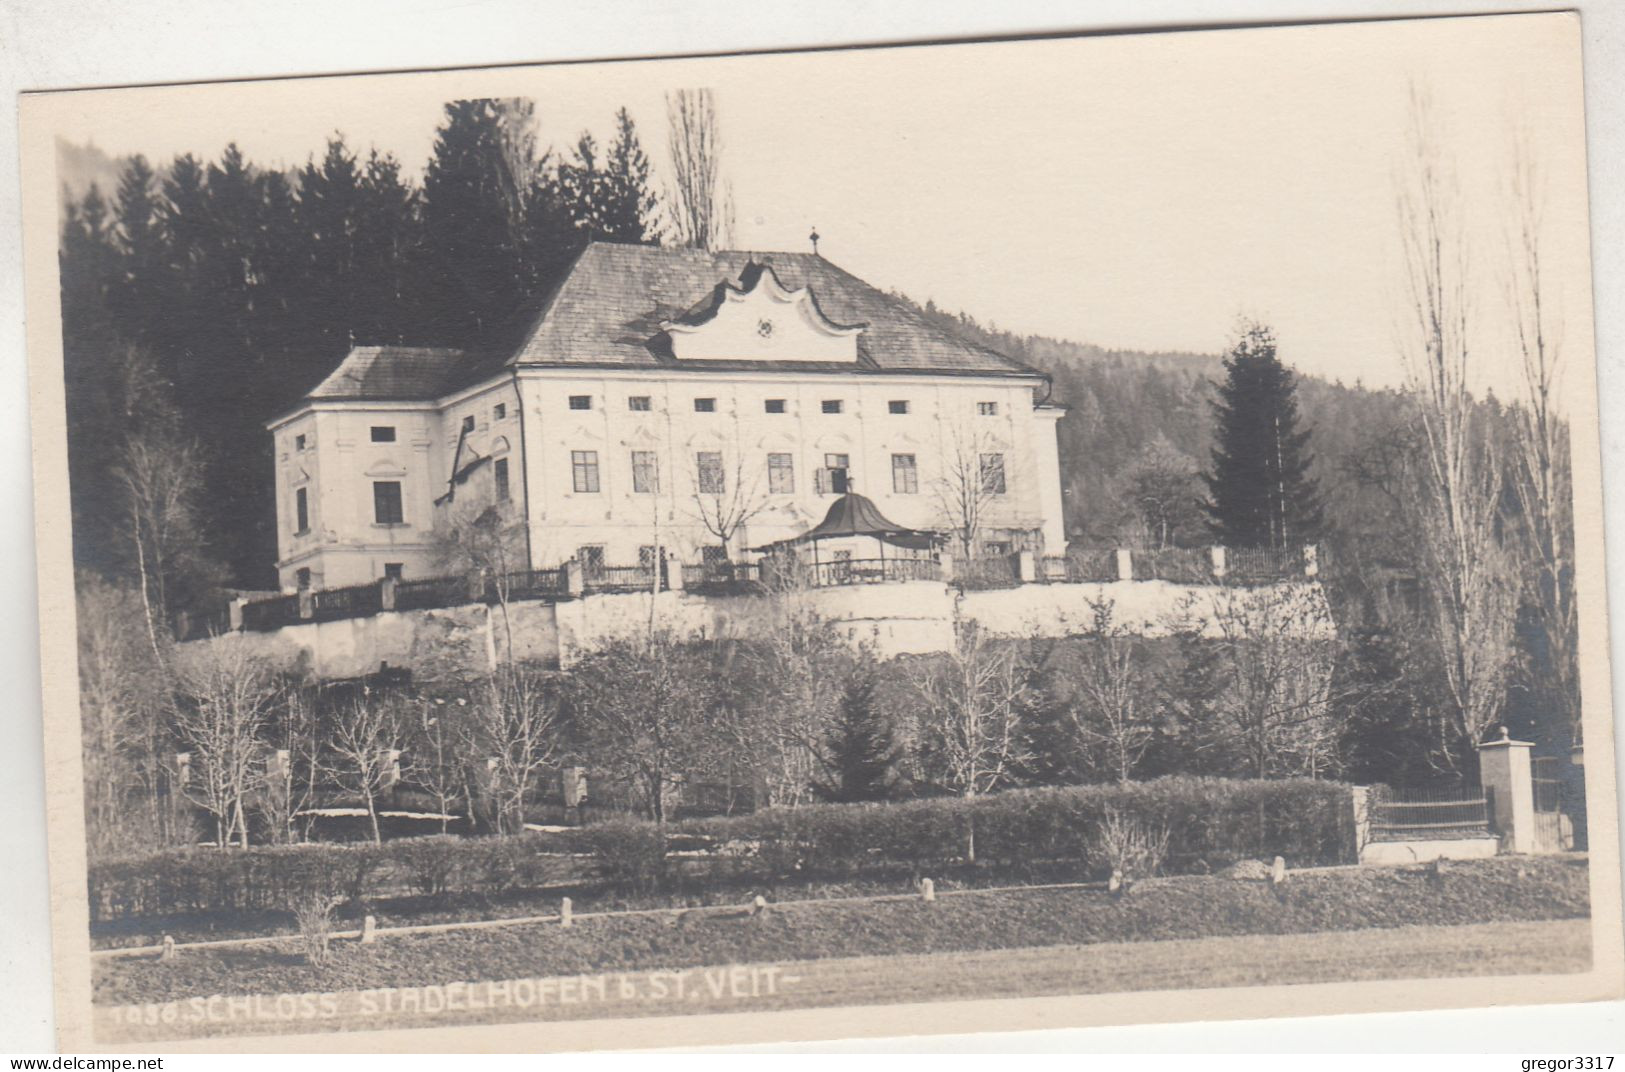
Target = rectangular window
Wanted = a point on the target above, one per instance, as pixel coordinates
(394, 570)
(831, 405)
(996, 548)
(645, 472)
(638, 403)
(993, 474)
(774, 405)
(499, 411)
(386, 502)
(299, 442)
(708, 470)
(905, 478)
(987, 409)
(584, 470)
(648, 555)
(781, 474)
(832, 478)
(705, 405)
(383, 433)
(581, 401)
(301, 509)
(499, 474)
(468, 423)
(713, 557)
(897, 405)
(301, 577)
(591, 557)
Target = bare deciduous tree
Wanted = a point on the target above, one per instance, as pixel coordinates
(972, 707)
(515, 719)
(1277, 649)
(1111, 714)
(440, 736)
(1456, 483)
(721, 505)
(1543, 479)
(226, 696)
(159, 478)
(122, 708)
(646, 707)
(967, 486)
(291, 767)
(365, 750)
(795, 663)
(698, 197)
(485, 544)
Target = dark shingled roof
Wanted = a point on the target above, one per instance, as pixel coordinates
(394, 374)
(609, 309)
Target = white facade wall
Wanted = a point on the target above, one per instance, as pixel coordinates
(741, 429)
(340, 463)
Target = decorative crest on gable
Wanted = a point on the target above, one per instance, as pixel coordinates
(762, 320)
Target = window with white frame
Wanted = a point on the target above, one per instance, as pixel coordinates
(905, 477)
(645, 472)
(709, 474)
(781, 474)
(993, 473)
(584, 470)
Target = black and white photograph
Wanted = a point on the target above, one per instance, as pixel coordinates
(1071, 529)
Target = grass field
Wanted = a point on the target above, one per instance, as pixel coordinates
(1340, 956)
(1187, 907)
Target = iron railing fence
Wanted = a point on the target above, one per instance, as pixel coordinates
(268, 614)
(993, 571)
(725, 575)
(429, 593)
(1182, 565)
(356, 601)
(619, 578)
(1261, 565)
(530, 584)
(874, 571)
(1424, 813)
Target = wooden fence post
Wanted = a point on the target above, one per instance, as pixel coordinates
(369, 930)
(566, 912)
(928, 890)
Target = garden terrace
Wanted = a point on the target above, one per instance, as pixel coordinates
(1185, 566)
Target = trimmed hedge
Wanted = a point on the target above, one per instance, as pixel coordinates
(1211, 823)
(273, 878)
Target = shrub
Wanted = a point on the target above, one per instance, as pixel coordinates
(1130, 845)
(314, 914)
(630, 854)
(432, 863)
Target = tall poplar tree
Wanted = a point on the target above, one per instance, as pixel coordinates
(1261, 494)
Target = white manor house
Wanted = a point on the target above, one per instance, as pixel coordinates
(657, 396)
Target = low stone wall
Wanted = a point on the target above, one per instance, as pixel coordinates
(1422, 852)
(914, 617)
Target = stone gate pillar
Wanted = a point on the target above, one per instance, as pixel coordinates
(1504, 769)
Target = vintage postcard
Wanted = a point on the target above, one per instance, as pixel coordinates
(967, 535)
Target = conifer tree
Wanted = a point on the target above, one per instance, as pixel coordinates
(1260, 488)
(860, 751)
(473, 265)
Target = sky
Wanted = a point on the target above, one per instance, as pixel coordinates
(1136, 192)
